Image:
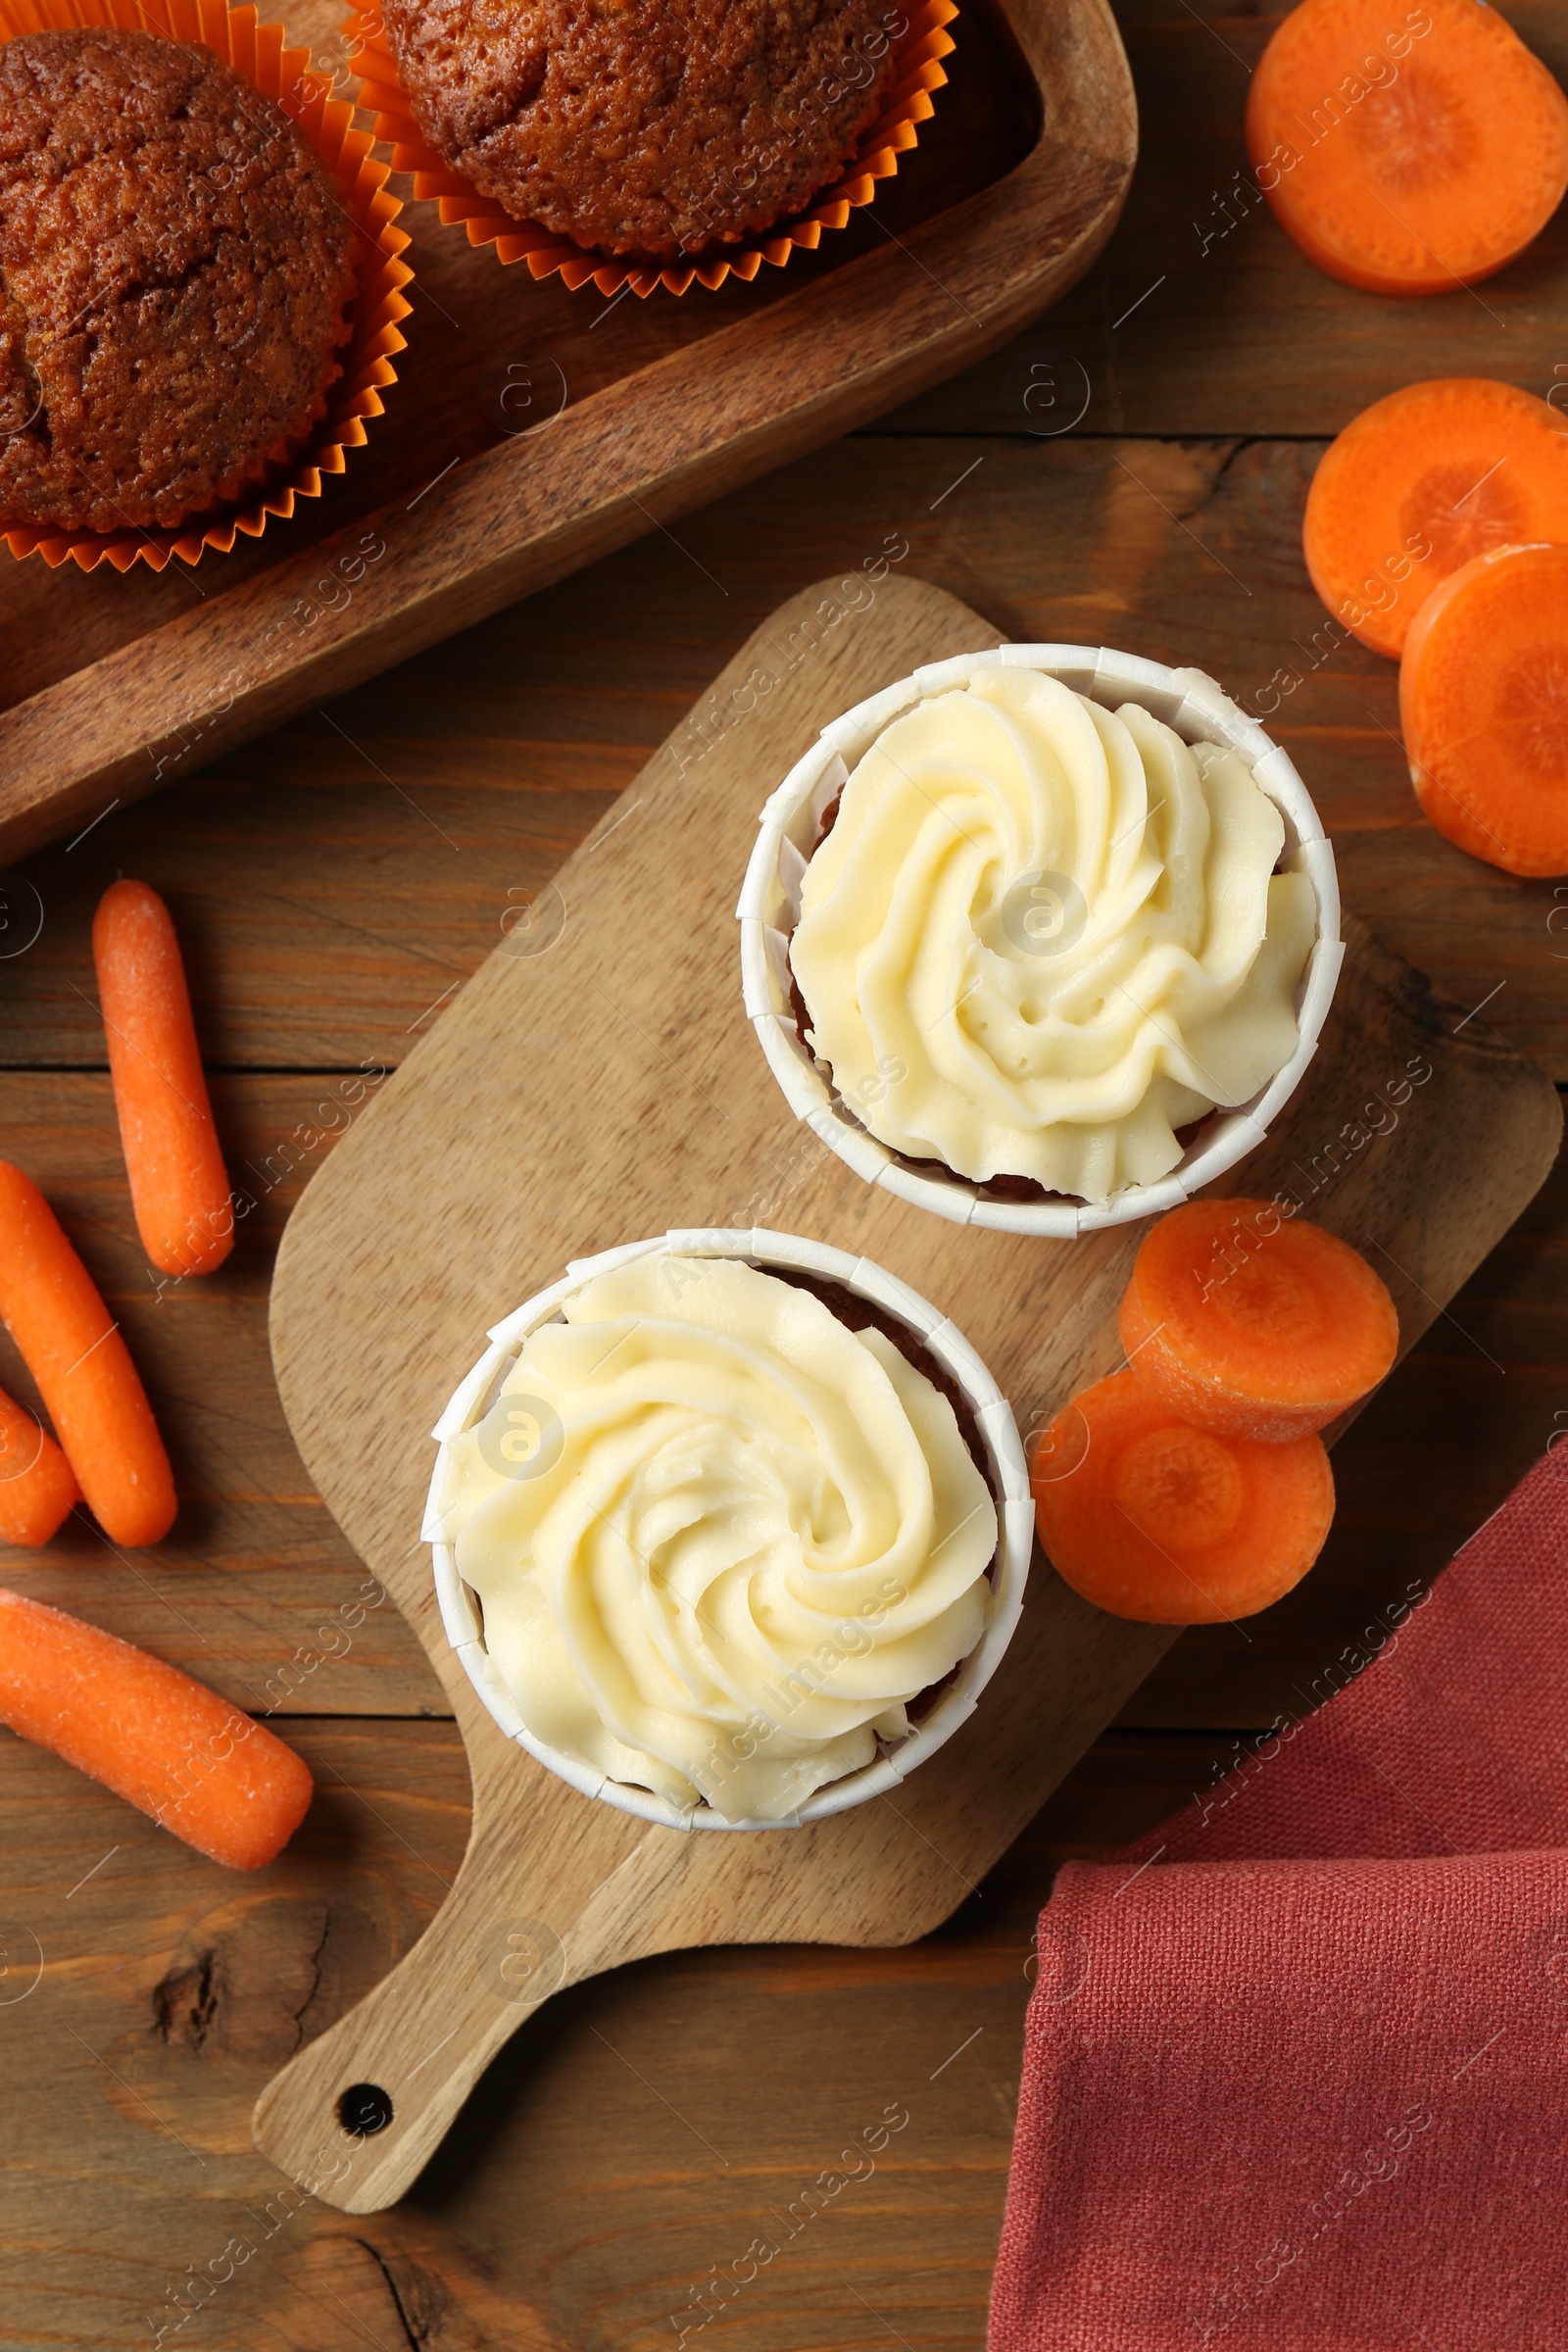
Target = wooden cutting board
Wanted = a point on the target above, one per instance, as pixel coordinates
(595, 1082)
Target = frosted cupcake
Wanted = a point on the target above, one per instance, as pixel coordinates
(720, 1537)
(1040, 933)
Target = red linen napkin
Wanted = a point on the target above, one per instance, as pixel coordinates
(1296, 2067)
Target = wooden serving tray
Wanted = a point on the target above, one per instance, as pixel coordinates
(639, 411)
(596, 1082)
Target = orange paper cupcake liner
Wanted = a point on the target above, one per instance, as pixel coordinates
(917, 73)
(256, 51)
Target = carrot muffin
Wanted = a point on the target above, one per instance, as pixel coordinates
(175, 269)
(636, 128)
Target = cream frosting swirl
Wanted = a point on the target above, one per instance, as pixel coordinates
(721, 1540)
(1041, 936)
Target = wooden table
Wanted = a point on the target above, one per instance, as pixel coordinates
(335, 884)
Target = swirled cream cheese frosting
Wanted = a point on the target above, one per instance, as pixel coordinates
(721, 1541)
(1042, 936)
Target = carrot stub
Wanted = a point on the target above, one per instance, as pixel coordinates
(1254, 1324)
(178, 1184)
(201, 1767)
(1407, 151)
(1151, 1519)
(73, 1348)
(1483, 704)
(38, 1487)
(1421, 483)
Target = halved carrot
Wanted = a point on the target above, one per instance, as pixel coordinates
(72, 1348)
(1252, 1323)
(38, 1487)
(1406, 149)
(1483, 704)
(1173, 1525)
(1420, 483)
(178, 1184)
(166, 1743)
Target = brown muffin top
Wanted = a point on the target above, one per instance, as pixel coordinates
(645, 127)
(175, 264)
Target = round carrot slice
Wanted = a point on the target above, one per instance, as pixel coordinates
(1483, 704)
(1406, 150)
(1252, 1323)
(1418, 485)
(1173, 1525)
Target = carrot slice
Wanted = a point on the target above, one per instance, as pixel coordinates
(1418, 485)
(73, 1350)
(179, 1183)
(1172, 1525)
(37, 1487)
(201, 1767)
(1252, 1323)
(1483, 704)
(1406, 150)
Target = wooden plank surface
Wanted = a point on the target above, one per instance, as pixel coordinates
(325, 916)
(258, 1568)
(1234, 330)
(475, 780)
(588, 1096)
(613, 2153)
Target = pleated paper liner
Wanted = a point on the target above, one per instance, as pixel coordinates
(256, 51)
(917, 73)
(462, 1618)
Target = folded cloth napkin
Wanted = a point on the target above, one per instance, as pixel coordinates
(1296, 2066)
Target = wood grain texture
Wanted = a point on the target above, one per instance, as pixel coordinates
(324, 919)
(338, 878)
(482, 523)
(573, 2205)
(255, 1591)
(595, 1082)
(576, 2205)
(1235, 331)
(569, 2198)
(252, 1590)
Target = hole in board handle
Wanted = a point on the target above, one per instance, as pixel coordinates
(365, 2108)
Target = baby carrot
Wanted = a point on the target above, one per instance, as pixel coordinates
(83, 1369)
(1254, 1324)
(36, 1484)
(166, 1743)
(1170, 1525)
(178, 1184)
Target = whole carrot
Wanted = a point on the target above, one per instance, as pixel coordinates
(36, 1484)
(72, 1348)
(166, 1743)
(178, 1184)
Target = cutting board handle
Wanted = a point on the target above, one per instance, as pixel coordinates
(355, 2118)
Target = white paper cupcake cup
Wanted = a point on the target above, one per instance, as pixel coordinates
(461, 1614)
(1199, 713)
